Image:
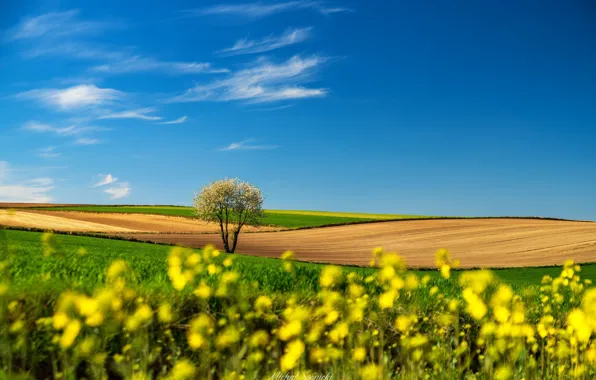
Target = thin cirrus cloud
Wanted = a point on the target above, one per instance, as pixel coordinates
(259, 9)
(87, 141)
(114, 62)
(117, 190)
(48, 152)
(71, 130)
(34, 190)
(176, 121)
(246, 145)
(289, 37)
(136, 64)
(141, 113)
(264, 82)
(72, 98)
(55, 25)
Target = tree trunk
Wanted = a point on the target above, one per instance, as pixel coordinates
(235, 235)
(224, 237)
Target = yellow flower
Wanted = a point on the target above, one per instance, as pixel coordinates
(290, 330)
(503, 372)
(17, 327)
(183, 370)
(70, 333)
(339, 332)
(476, 308)
(196, 341)
(143, 313)
(165, 313)
(227, 262)
(370, 372)
(577, 319)
(259, 338)
(433, 290)
(403, 323)
(60, 320)
(386, 299)
(117, 268)
(358, 354)
(411, 281)
(263, 303)
(329, 276)
(203, 290)
(288, 255)
(293, 353)
(94, 320)
(228, 337)
(445, 271)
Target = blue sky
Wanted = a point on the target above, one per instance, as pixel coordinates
(440, 108)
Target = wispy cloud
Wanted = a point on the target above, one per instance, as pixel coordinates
(140, 113)
(121, 190)
(86, 141)
(289, 37)
(112, 61)
(177, 121)
(55, 25)
(32, 190)
(74, 97)
(136, 64)
(48, 152)
(264, 82)
(259, 9)
(104, 179)
(246, 145)
(117, 190)
(71, 130)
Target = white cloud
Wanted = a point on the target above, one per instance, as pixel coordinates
(289, 37)
(48, 152)
(177, 121)
(33, 190)
(104, 180)
(244, 145)
(75, 97)
(265, 82)
(43, 181)
(133, 114)
(133, 64)
(71, 130)
(55, 25)
(259, 9)
(86, 141)
(122, 190)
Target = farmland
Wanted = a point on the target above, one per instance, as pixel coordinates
(123, 297)
(105, 305)
(280, 218)
(69, 267)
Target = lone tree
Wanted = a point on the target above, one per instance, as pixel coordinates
(231, 203)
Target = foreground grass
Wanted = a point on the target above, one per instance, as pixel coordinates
(282, 218)
(81, 307)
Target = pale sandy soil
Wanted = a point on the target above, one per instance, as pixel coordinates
(476, 242)
(80, 221)
(53, 222)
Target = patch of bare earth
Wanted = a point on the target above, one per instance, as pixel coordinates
(145, 222)
(476, 242)
(53, 222)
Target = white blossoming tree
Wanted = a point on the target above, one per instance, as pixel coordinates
(231, 203)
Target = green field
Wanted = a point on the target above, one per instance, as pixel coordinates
(127, 325)
(69, 268)
(282, 218)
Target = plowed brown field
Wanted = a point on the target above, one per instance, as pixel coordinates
(476, 242)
